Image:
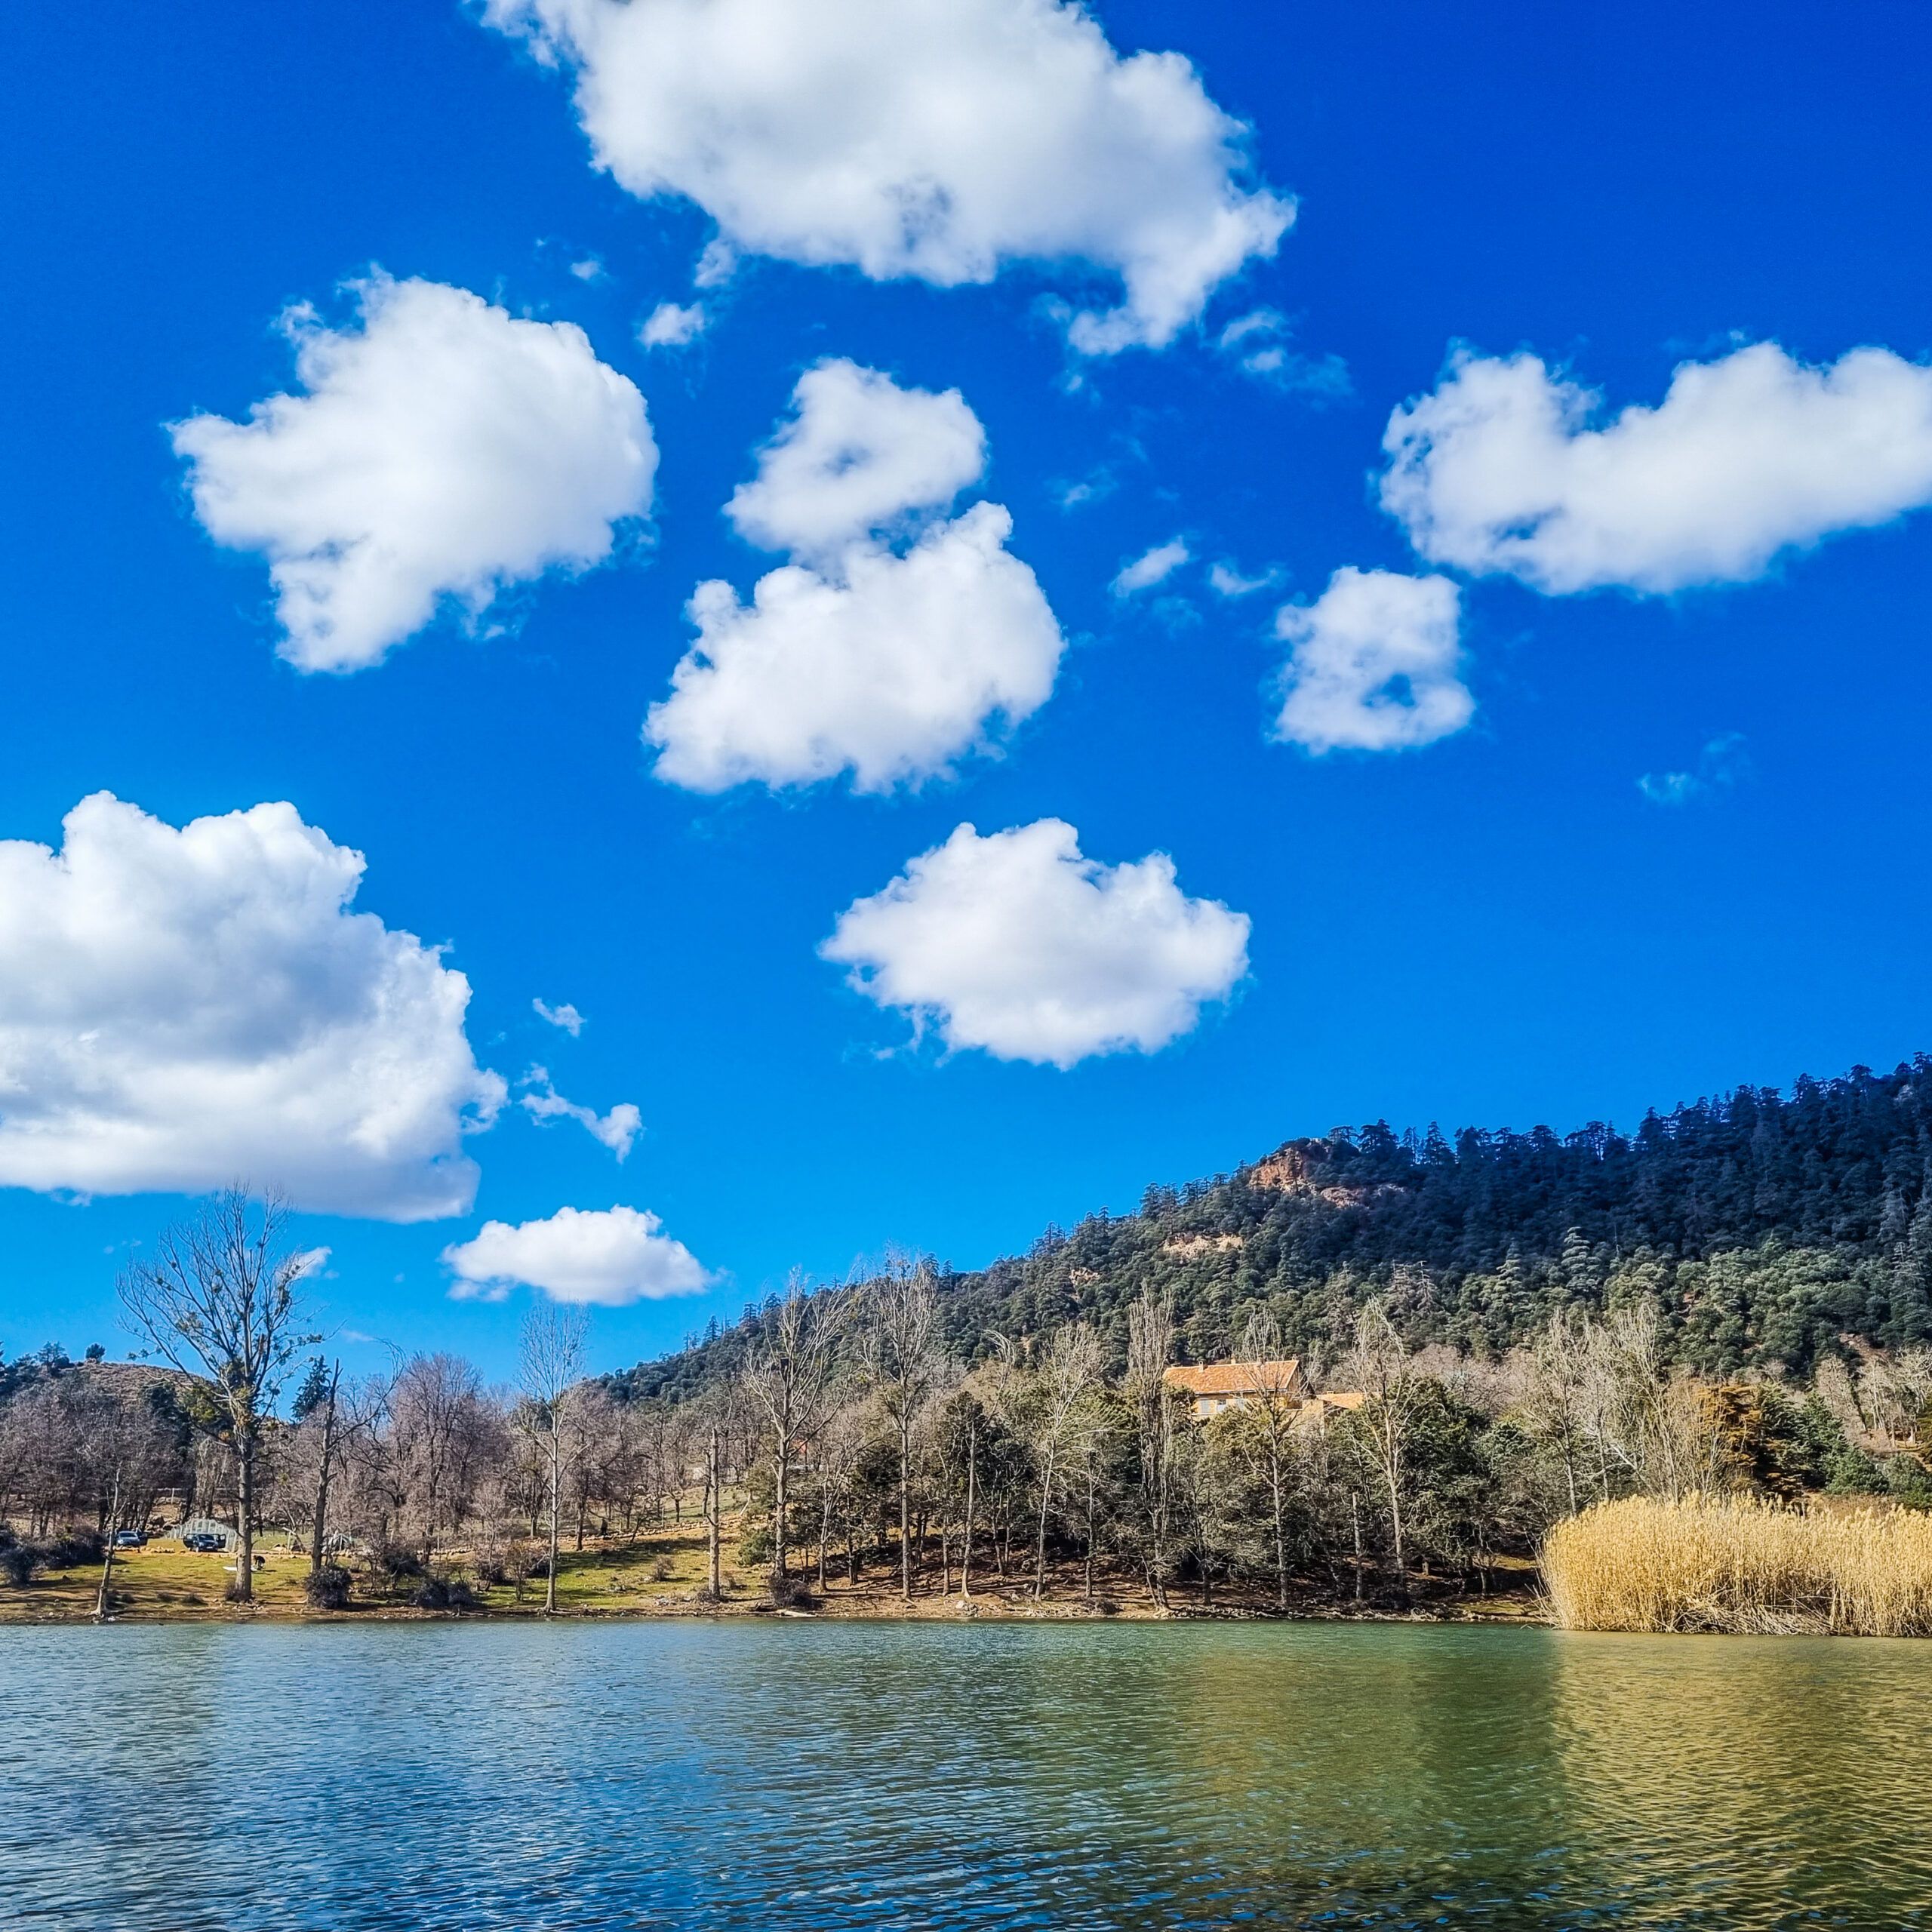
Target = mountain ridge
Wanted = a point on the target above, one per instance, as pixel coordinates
(1770, 1228)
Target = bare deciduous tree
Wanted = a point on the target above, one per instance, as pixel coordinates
(1150, 1348)
(787, 1375)
(1067, 1384)
(903, 1359)
(550, 1363)
(1264, 1428)
(217, 1300)
(1379, 1366)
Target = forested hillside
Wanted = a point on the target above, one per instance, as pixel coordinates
(1769, 1228)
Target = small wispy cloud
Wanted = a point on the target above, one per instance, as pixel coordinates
(589, 269)
(539, 1098)
(1261, 344)
(1089, 489)
(716, 265)
(1155, 566)
(1224, 579)
(1720, 764)
(565, 1017)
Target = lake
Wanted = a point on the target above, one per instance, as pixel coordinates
(939, 1776)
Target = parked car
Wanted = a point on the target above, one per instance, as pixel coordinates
(203, 1544)
(130, 1538)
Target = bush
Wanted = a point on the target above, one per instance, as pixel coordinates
(327, 1588)
(20, 1562)
(661, 1570)
(444, 1593)
(791, 1591)
(74, 1548)
(393, 1564)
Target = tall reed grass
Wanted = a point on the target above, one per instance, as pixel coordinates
(1737, 1564)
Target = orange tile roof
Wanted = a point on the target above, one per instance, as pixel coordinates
(1236, 1378)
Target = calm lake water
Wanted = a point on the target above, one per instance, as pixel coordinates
(939, 1777)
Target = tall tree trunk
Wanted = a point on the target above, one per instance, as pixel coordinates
(556, 1504)
(966, 1542)
(104, 1594)
(1090, 1514)
(1281, 1546)
(1040, 1546)
(322, 1522)
(244, 1514)
(905, 1508)
(782, 1473)
(714, 1498)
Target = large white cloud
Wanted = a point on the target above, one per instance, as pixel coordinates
(890, 663)
(444, 450)
(894, 668)
(941, 139)
(857, 454)
(1374, 665)
(601, 1258)
(1503, 468)
(1017, 944)
(179, 1009)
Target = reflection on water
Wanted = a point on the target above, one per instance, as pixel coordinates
(946, 1778)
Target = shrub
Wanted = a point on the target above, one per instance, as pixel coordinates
(20, 1562)
(791, 1591)
(74, 1548)
(327, 1588)
(661, 1570)
(393, 1564)
(444, 1593)
(1734, 1563)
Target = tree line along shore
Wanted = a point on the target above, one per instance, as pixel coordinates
(1665, 1357)
(841, 1453)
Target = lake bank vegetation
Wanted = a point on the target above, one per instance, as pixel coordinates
(1524, 1336)
(1742, 1564)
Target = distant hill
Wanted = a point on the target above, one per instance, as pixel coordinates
(1771, 1227)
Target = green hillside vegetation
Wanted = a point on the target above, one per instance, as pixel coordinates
(1771, 1232)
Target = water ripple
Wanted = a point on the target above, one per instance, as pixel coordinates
(949, 1780)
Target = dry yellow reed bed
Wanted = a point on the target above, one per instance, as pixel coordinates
(1734, 1563)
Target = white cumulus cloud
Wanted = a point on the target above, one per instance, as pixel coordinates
(538, 1096)
(1155, 566)
(1374, 664)
(444, 451)
(178, 1008)
(891, 663)
(1017, 944)
(1507, 468)
(857, 455)
(939, 139)
(601, 1258)
(671, 325)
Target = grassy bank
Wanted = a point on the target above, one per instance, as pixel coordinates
(1717, 1564)
(662, 1574)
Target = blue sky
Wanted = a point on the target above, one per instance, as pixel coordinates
(1497, 926)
